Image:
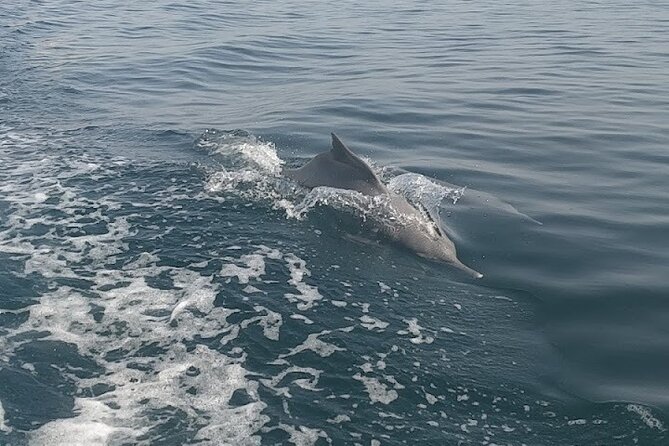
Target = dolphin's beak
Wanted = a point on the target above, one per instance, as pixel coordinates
(462, 267)
(454, 262)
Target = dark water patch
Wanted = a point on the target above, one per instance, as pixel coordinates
(18, 389)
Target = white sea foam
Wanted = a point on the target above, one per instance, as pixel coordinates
(378, 392)
(304, 383)
(414, 329)
(214, 375)
(302, 435)
(646, 416)
(431, 399)
(254, 268)
(91, 427)
(316, 345)
(301, 317)
(271, 322)
(120, 315)
(341, 418)
(307, 294)
(3, 423)
(371, 323)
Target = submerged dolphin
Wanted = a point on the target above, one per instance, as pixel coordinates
(340, 168)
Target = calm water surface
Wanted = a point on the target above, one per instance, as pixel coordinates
(163, 284)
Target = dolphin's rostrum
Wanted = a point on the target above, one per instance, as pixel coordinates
(340, 168)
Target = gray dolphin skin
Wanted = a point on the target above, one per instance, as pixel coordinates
(340, 168)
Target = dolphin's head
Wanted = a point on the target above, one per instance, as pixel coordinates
(442, 249)
(436, 246)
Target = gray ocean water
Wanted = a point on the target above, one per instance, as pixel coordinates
(161, 283)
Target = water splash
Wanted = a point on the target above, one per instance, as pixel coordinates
(421, 190)
(242, 149)
(250, 169)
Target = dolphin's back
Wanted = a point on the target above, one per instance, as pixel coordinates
(338, 168)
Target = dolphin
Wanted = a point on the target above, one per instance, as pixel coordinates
(341, 168)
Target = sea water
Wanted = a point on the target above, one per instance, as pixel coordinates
(162, 283)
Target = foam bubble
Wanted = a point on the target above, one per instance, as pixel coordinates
(307, 294)
(339, 419)
(318, 346)
(270, 323)
(304, 383)
(40, 197)
(255, 267)
(431, 399)
(302, 435)
(377, 391)
(301, 317)
(414, 329)
(371, 323)
(384, 288)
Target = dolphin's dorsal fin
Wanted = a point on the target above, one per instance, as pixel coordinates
(344, 155)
